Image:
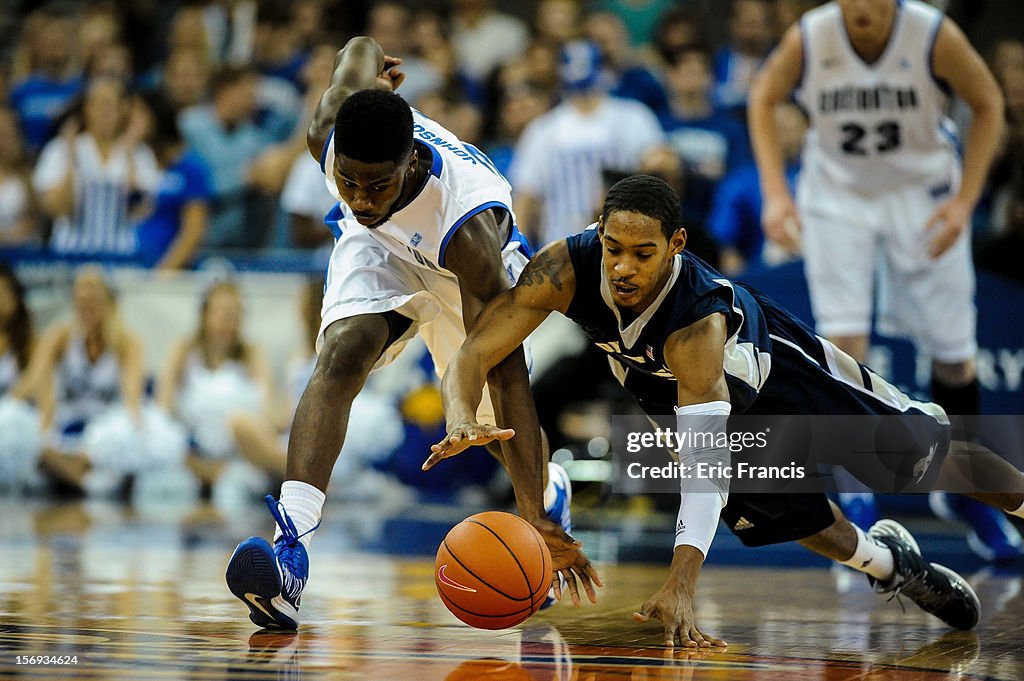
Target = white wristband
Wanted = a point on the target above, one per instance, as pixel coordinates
(702, 497)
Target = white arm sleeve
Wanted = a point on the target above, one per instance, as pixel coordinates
(705, 449)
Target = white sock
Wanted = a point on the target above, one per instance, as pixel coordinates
(870, 557)
(303, 503)
(1019, 512)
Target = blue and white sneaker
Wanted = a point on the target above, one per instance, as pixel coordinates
(270, 578)
(558, 510)
(992, 536)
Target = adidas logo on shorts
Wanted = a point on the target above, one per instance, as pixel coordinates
(742, 524)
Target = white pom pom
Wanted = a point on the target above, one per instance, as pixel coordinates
(166, 442)
(374, 431)
(20, 440)
(208, 404)
(114, 442)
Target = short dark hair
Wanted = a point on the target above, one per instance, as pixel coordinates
(373, 126)
(647, 195)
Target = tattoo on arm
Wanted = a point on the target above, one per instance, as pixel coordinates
(542, 267)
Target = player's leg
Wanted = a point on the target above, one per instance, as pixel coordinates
(270, 578)
(370, 301)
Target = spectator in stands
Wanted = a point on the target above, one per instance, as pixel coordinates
(169, 236)
(211, 376)
(186, 78)
(558, 21)
(16, 338)
(709, 140)
(559, 159)
(485, 38)
(388, 23)
(735, 218)
(19, 224)
(520, 105)
(638, 17)
(80, 370)
(111, 61)
(676, 29)
(189, 32)
(101, 26)
(274, 167)
(225, 134)
(90, 181)
(750, 38)
(622, 72)
(53, 79)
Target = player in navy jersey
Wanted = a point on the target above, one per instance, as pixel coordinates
(682, 338)
(424, 237)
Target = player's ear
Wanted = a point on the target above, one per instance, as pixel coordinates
(600, 226)
(678, 241)
(413, 157)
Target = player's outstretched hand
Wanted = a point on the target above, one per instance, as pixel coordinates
(951, 219)
(781, 223)
(568, 560)
(391, 77)
(673, 605)
(463, 436)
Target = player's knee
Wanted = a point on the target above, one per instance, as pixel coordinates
(954, 373)
(351, 347)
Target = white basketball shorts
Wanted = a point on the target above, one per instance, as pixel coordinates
(849, 237)
(364, 277)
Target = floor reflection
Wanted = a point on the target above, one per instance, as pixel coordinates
(140, 595)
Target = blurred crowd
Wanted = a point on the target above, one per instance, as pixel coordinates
(158, 134)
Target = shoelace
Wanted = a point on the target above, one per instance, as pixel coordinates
(928, 597)
(288, 532)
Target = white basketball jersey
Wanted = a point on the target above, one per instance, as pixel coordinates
(84, 388)
(462, 182)
(874, 126)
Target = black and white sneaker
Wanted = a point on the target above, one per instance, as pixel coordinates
(936, 589)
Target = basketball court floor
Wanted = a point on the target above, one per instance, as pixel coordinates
(98, 591)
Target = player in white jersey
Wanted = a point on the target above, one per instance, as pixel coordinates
(882, 187)
(425, 236)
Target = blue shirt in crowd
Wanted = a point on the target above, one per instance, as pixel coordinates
(39, 101)
(187, 180)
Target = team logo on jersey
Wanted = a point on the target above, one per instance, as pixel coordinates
(680, 527)
(416, 239)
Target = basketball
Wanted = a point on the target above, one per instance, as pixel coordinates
(493, 570)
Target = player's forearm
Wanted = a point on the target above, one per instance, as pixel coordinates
(462, 388)
(686, 564)
(514, 407)
(356, 68)
(764, 135)
(982, 143)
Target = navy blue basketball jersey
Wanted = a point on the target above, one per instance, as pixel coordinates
(693, 292)
(774, 364)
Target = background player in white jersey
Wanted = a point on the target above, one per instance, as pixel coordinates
(881, 187)
(424, 238)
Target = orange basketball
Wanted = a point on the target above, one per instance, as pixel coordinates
(493, 570)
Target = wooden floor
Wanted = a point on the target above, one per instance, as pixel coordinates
(140, 595)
